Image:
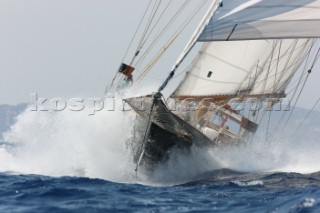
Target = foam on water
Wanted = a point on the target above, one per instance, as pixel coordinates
(68, 143)
(75, 144)
(282, 154)
(248, 183)
(308, 203)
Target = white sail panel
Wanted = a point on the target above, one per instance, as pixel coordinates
(222, 67)
(287, 56)
(255, 67)
(264, 19)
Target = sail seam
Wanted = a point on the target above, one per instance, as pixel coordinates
(213, 56)
(221, 82)
(232, 31)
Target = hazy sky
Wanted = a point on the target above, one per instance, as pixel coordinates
(64, 48)
(69, 48)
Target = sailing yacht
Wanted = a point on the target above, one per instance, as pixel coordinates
(250, 51)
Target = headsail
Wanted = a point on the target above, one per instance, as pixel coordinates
(221, 67)
(252, 47)
(256, 67)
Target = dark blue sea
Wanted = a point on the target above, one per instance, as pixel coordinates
(217, 191)
(72, 162)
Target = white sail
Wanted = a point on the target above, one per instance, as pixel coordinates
(264, 19)
(222, 67)
(250, 58)
(286, 58)
(257, 66)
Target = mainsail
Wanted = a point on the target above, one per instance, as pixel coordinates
(252, 48)
(264, 19)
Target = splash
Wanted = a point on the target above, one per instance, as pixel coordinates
(281, 153)
(70, 143)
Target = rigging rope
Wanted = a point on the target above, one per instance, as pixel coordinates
(315, 59)
(268, 126)
(310, 111)
(155, 59)
(161, 52)
(287, 53)
(159, 35)
(128, 48)
(269, 67)
(314, 106)
(136, 32)
(294, 48)
(305, 67)
(256, 112)
(297, 86)
(304, 83)
(152, 16)
(277, 67)
(296, 101)
(164, 84)
(296, 63)
(156, 23)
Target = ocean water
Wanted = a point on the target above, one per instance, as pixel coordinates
(71, 162)
(219, 191)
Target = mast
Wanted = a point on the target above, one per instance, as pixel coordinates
(192, 42)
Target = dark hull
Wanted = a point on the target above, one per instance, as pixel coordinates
(166, 131)
(159, 144)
